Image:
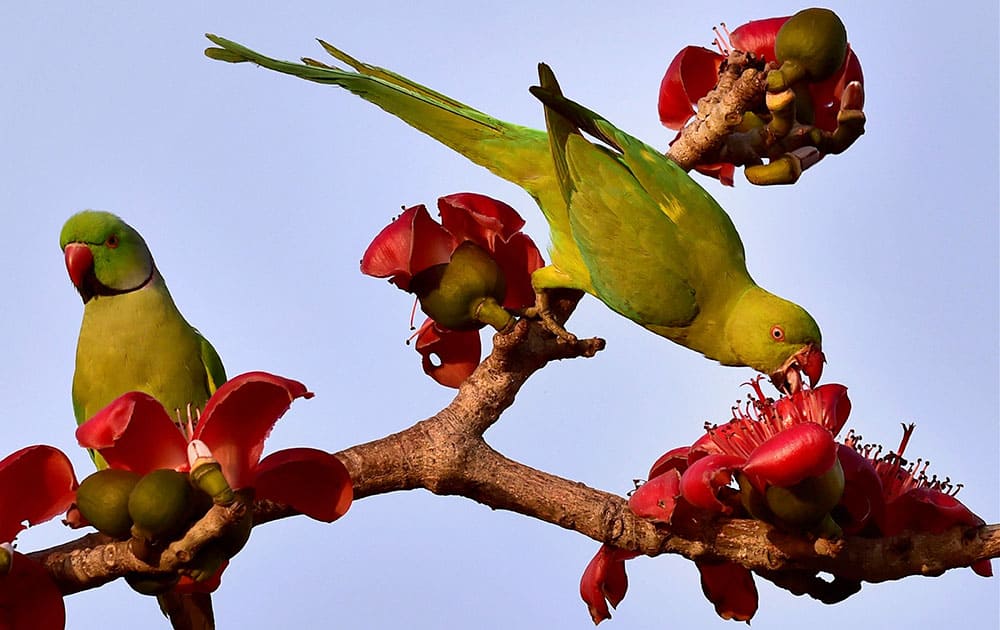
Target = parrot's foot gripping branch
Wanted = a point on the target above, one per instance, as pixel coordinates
(542, 311)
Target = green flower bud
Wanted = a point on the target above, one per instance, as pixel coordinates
(812, 44)
(161, 504)
(103, 499)
(6, 558)
(808, 502)
(207, 476)
(752, 500)
(465, 293)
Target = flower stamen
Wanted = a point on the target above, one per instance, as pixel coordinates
(722, 40)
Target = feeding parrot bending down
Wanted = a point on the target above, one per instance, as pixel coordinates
(627, 225)
(133, 338)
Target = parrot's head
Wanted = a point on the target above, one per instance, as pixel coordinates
(776, 337)
(104, 255)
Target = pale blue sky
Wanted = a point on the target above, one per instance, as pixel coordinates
(258, 193)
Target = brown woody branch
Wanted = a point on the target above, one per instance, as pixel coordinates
(741, 84)
(447, 454)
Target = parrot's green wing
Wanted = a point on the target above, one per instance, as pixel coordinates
(694, 213)
(214, 371)
(633, 251)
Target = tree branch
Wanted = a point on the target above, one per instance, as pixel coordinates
(447, 454)
(741, 84)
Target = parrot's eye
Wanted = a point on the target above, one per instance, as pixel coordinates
(777, 333)
(112, 241)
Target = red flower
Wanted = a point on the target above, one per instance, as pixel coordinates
(778, 444)
(912, 501)
(730, 588)
(135, 433)
(790, 472)
(604, 581)
(694, 72)
(414, 243)
(770, 444)
(36, 484)
(448, 356)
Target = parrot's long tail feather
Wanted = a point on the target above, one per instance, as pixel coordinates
(513, 152)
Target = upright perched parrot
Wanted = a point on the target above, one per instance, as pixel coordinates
(133, 338)
(627, 225)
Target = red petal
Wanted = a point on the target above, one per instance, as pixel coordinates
(411, 243)
(925, 510)
(312, 481)
(29, 599)
(827, 405)
(983, 567)
(722, 171)
(691, 75)
(730, 587)
(604, 581)
(188, 585)
(518, 258)
(826, 95)
(151, 442)
(800, 451)
(702, 480)
(862, 499)
(757, 37)
(478, 218)
(239, 417)
(449, 356)
(674, 459)
(657, 498)
(36, 484)
(833, 400)
(704, 445)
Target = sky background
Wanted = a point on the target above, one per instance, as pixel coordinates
(258, 193)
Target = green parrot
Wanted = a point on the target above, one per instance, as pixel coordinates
(133, 338)
(627, 225)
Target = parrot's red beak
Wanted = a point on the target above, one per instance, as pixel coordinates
(79, 264)
(808, 360)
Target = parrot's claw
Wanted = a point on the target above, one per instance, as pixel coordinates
(542, 312)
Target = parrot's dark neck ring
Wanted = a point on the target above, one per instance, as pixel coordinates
(106, 291)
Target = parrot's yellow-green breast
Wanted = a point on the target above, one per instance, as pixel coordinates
(133, 337)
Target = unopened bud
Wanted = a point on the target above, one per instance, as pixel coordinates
(6, 558)
(209, 478)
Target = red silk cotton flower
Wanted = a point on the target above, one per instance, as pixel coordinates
(493, 265)
(135, 433)
(694, 72)
(36, 484)
(790, 472)
(767, 444)
(910, 500)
